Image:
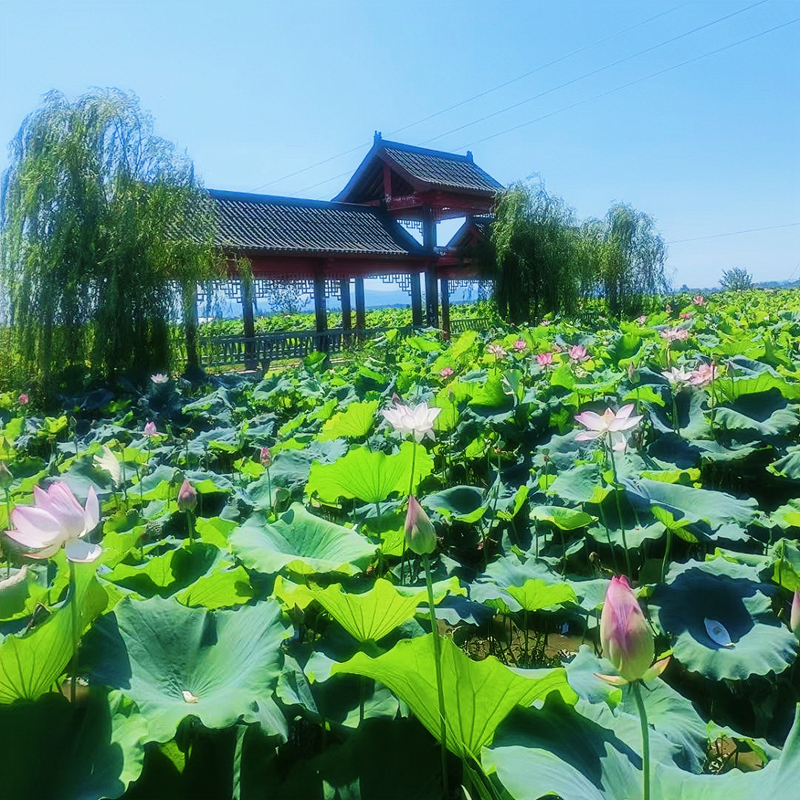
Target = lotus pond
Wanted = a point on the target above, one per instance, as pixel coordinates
(226, 591)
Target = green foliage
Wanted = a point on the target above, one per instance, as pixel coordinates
(94, 221)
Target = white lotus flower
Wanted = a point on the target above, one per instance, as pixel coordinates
(110, 463)
(57, 520)
(677, 376)
(609, 424)
(416, 420)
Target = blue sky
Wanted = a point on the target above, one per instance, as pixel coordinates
(256, 91)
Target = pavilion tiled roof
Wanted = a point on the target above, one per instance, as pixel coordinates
(290, 225)
(443, 170)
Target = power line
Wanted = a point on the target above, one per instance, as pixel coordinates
(736, 233)
(470, 99)
(593, 72)
(629, 84)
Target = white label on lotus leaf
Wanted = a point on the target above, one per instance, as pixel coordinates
(717, 633)
(189, 697)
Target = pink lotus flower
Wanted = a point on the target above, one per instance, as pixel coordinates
(415, 420)
(150, 429)
(794, 619)
(642, 320)
(420, 533)
(699, 300)
(675, 334)
(685, 315)
(520, 345)
(446, 372)
(187, 496)
(626, 636)
(578, 353)
(556, 347)
(23, 399)
(703, 375)
(496, 351)
(57, 519)
(544, 359)
(159, 378)
(545, 322)
(265, 457)
(609, 424)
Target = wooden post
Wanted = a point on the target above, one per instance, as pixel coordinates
(190, 322)
(445, 287)
(416, 299)
(347, 313)
(361, 309)
(249, 322)
(431, 287)
(320, 309)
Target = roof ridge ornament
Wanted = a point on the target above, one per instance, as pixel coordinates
(378, 137)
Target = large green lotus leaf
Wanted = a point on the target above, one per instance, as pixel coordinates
(464, 503)
(372, 615)
(778, 423)
(492, 393)
(787, 516)
(21, 591)
(167, 573)
(536, 595)
(635, 536)
(226, 586)
(302, 543)
(91, 752)
(477, 694)
(678, 733)
(368, 476)
(756, 384)
(30, 663)
(727, 593)
(557, 751)
(447, 418)
(174, 661)
(581, 484)
(714, 508)
(788, 466)
(567, 519)
(355, 422)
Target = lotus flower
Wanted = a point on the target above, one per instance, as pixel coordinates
(23, 399)
(417, 420)
(675, 334)
(545, 322)
(265, 457)
(150, 429)
(496, 351)
(543, 359)
(609, 424)
(110, 463)
(420, 533)
(794, 619)
(642, 320)
(159, 379)
(703, 375)
(699, 300)
(187, 496)
(520, 345)
(677, 376)
(626, 636)
(446, 372)
(57, 519)
(578, 353)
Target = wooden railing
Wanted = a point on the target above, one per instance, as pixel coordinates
(470, 324)
(259, 351)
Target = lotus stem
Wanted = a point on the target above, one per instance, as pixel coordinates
(437, 652)
(637, 694)
(73, 587)
(619, 511)
(666, 555)
(676, 422)
(269, 490)
(189, 525)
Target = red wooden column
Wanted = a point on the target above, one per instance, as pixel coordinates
(347, 314)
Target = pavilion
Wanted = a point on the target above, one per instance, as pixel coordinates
(325, 245)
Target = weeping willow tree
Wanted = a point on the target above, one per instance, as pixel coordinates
(101, 222)
(534, 235)
(633, 258)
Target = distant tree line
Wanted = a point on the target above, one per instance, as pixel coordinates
(546, 261)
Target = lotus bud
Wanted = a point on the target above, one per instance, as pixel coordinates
(6, 478)
(420, 533)
(794, 619)
(150, 429)
(265, 457)
(187, 496)
(625, 634)
(23, 399)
